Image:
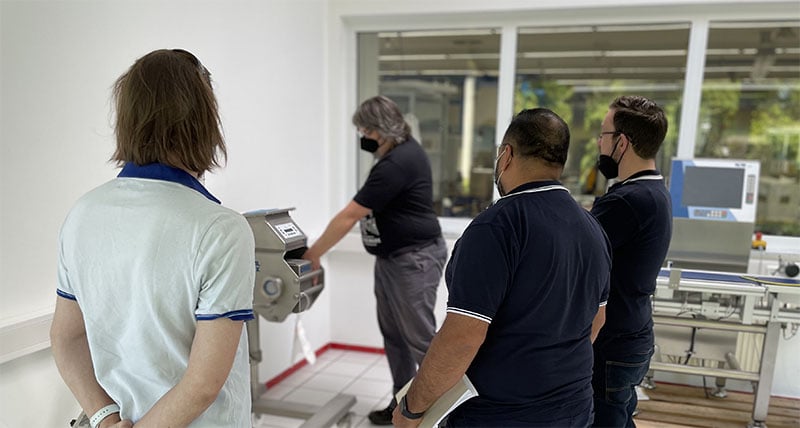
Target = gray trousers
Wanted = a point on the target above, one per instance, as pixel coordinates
(405, 289)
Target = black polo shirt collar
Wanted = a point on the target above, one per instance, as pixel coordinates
(535, 187)
(647, 174)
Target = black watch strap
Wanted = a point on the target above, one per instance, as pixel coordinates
(408, 413)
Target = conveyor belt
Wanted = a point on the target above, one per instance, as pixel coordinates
(733, 278)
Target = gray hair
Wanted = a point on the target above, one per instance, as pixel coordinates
(382, 115)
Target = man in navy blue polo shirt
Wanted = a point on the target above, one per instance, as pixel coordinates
(526, 281)
(637, 217)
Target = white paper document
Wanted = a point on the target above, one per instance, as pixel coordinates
(462, 391)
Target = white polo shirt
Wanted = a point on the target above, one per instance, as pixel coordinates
(146, 256)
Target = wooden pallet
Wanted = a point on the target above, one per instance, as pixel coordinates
(672, 406)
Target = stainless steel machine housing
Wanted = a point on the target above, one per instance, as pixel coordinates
(285, 284)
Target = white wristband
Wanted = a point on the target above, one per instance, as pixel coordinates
(103, 413)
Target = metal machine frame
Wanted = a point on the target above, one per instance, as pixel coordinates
(725, 302)
(729, 311)
(285, 284)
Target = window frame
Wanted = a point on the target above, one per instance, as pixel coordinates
(509, 22)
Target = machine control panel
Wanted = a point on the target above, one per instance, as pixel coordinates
(288, 230)
(750, 189)
(710, 213)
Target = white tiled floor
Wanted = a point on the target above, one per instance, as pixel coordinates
(361, 374)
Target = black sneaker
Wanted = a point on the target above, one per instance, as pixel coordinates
(381, 417)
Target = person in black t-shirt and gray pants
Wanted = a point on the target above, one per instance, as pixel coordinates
(399, 227)
(636, 215)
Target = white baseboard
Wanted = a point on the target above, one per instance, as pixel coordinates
(25, 335)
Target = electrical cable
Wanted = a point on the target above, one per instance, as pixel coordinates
(300, 302)
(690, 352)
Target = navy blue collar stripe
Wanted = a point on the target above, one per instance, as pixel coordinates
(158, 171)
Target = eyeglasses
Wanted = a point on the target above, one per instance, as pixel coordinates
(600, 135)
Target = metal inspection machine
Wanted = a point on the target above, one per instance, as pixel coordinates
(285, 284)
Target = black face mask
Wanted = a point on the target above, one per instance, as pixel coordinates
(607, 165)
(369, 145)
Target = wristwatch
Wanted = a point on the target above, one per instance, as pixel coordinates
(408, 413)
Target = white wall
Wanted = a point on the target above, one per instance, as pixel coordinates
(59, 60)
(353, 298)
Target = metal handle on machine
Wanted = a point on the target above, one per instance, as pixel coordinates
(312, 274)
(313, 286)
(305, 295)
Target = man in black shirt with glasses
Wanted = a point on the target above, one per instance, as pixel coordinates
(637, 217)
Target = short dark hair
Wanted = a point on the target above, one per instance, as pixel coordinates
(382, 115)
(166, 112)
(642, 121)
(539, 133)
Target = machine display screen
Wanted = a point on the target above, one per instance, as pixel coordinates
(288, 230)
(713, 187)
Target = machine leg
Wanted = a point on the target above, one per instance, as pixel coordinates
(336, 411)
(720, 391)
(346, 421)
(256, 388)
(769, 353)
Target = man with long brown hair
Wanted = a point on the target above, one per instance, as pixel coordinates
(155, 278)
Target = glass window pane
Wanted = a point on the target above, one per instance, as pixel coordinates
(578, 71)
(445, 82)
(750, 109)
